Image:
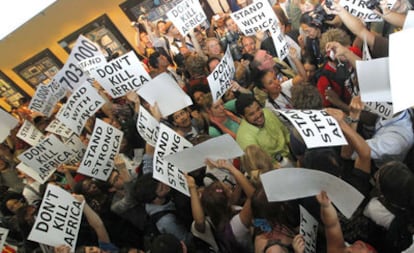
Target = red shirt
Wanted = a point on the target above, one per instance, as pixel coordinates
(324, 83)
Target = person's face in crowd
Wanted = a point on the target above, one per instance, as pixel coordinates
(310, 70)
(213, 64)
(161, 27)
(232, 26)
(310, 32)
(174, 31)
(90, 188)
(306, 6)
(143, 36)
(198, 97)
(116, 180)
(92, 249)
(271, 84)
(182, 119)
(217, 109)
(249, 45)
(213, 47)
(265, 59)
(254, 115)
(14, 204)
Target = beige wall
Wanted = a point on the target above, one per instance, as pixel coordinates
(55, 23)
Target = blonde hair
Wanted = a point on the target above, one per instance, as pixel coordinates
(256, 161)
(334, 34)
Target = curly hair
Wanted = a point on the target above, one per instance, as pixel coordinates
(195, 64)
(334, 34)
(306, 97)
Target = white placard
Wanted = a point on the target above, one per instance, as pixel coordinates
(293, 183)
(121, 75)
(92, 63)
(33, 173)
(382, 109)
(81, 105)
(357, 8)
(167, 93)
(103, 145)
(255, 17)
(7, 123)
(409, 20)
(281, 45)
(30, 134)
(147, 126)
(317, 128)
(3, 236)
(58, 220)
(221, 147)
(308, 229)
(187, 15)
(374, 80)
(71, 75)
(46, 156)
(43, 100)
(400, 49)
(78, 149)
(220, 79)
(59, 128)
(170, 142)
(366, 55)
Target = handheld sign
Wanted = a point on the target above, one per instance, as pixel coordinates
(7, 123)
(359, 9)
(220, 79)
(170, 142)
(3, 235)
(71, 75)
(43, 100)
(293, 183)
(409, 20)
(30, 134)
(78, 149)
(58, 220)
(59, 128)
(103, 145)
(255, 17)
(32, 172)
(46, 156)
(382, 109)
(92, 63)
(221, 147)
(186, 15)
(366, 55)
(281, 45)
(147, 126)
(167, 93)
(121, 75)
(81, 105)
(374, 80)
(317, 128)
(308, 229)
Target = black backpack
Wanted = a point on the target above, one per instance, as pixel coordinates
(150, 226)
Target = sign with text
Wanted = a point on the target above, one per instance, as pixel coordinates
(71, 75)
(164, 90)
(147, 126)
(317, 128)
(221, 147)
(170, 142)
(81, 105)
(103, 145)
(3, 236)
(308, 229)
(46, 156)
(32, 172)
(220, 79)
(59, 128)
(359, 9)
(281, 45)
(187, 15)
(278, 187)
(58, 220)
(374, 80)
(7, 123)
(121, 75)
(78, 149)
(255, 17)
(43, 100)
(382, 109)
(92, 63)
(30, 134)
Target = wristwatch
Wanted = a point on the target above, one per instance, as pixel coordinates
(350, 120)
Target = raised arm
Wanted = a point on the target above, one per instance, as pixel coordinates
(196, 207)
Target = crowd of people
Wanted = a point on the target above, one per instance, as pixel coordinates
(227, 210)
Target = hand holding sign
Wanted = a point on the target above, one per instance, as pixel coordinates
(298, 244)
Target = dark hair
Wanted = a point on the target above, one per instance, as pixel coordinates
(153, 59)
(210, 59)
(243, 101)
(323, 159)
(9, 196)
(145, 189)
(216, 204)
(166, 243)
(307, 19)
(306, 97)
(258, 78)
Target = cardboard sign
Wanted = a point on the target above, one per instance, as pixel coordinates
(78, 149)
(30, 134)
(281, 45)
(382, 109)
(121, 75)
(278, 187)
(92, 63)
(43, 100)
(221, 147)
(400, 47)
(255, 17)
(220, 79)
(358, 9)
(57, 89)
(46, 156)
(81, 105)
(59, 128)
(374, 80)
(164, 90)
(308, 229)
(170, 142)
(3, 236)
(317, 128)
(71, 75)
(7, 123)
(103, 145)
(187, 15)
(147, 126)
(58, 220)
